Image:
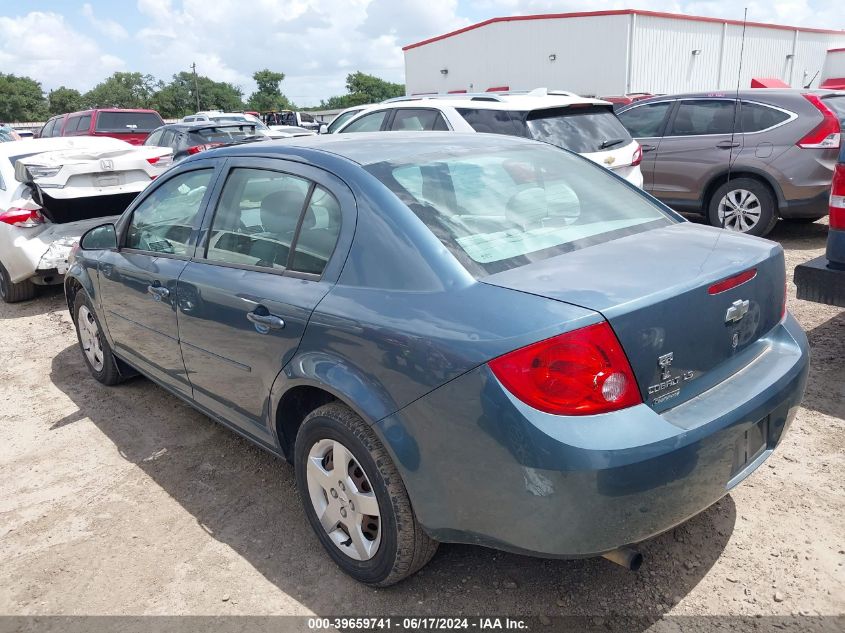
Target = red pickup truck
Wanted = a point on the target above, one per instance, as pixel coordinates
(132, 126)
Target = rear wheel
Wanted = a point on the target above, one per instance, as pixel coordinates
(15, 292)
(355, 500)
(95, 348)
(743, 205)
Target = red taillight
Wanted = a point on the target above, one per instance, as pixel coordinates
(23, 218)
(732, 282)
(582, 372)
(825, 135)
(196, 149)
(638, 156)
(837, 198)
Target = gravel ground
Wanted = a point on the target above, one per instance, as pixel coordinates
(126, 501)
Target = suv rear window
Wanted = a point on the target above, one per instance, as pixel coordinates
(578, 128)
(128, 122)
(500, 209)
(494, 121)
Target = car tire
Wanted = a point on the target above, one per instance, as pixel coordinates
(384, 551)
(744, 205)
(15, 292)
(96, 351)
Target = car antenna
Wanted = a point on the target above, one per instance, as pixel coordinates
(810, 83)
(737, 106)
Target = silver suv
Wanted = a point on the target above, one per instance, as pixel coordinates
(742, 162)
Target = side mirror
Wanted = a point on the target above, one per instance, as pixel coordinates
(324, 129)
(99, 238)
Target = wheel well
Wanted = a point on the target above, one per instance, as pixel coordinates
(294, 406)
(72, 286)
(720, 180)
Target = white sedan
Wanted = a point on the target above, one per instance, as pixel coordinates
(52, 190)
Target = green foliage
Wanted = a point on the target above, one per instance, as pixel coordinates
(178, 98)
(363, 88)
(21, 99)
(123, 90)
(63, 100)
(269, 95)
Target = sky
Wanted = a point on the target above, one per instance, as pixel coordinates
(316, 43)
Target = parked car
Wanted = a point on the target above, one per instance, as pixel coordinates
(459, 338)
(131, 126)
(291, 118)
(823, 278)
(341, 118)
(585, 126)
(626, 99)
(52, 191)
(742, 163)
(187, 139)
(218, 116)
(25, 134)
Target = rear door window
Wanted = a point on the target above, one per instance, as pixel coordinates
(756, 117)
(70, 126)
(83, 124)
(128, 122)
(581, 129)
(493, 121)
(696, 117)
(368, 123)
(646, 121)
(418, 120)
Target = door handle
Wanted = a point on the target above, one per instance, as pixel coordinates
(727, 144)
(265, 322)
(648, 148)
(158, 292)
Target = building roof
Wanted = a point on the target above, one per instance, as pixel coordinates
(587, 14)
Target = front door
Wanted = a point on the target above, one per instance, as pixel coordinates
(245, 300)
(700, 140)
(138, 281)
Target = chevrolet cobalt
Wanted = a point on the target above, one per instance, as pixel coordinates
(461, 338)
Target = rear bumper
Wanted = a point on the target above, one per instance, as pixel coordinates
(814, 206)
(482, 467)
(818, 281)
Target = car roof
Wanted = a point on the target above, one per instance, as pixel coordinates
(367, 148)
(747, 93)
(510, 102)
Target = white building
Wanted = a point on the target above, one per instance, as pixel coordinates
(615, 52)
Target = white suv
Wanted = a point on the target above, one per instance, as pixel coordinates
(586, 126)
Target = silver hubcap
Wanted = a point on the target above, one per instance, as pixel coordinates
(89, 337)
(343, 499)
(739, 210)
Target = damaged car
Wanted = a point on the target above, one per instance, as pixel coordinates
(52, 191)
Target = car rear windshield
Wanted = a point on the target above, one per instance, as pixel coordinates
(222, 133)
(582, 129)
(837, 104)
(128, 122)
(500, 209)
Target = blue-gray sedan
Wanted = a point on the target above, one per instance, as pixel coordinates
(476, 339)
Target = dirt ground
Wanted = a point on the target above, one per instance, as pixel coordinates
(126, 501)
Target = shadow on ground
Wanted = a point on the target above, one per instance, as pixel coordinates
(48, 298)
(247, 499)
(826, 385)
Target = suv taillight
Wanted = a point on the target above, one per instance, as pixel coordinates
(196, 149)
(582, 372)
(22, 218)
(837, 198)
(825, 135)
(638, 156)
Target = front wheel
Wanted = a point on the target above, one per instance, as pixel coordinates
(355, 500)
(743, 205)
(95, 348)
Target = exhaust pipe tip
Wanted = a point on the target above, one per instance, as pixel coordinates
(627, 557)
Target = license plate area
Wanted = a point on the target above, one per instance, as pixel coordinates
(107, 180)
(750, 446)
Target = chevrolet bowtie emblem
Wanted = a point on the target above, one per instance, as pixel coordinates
(738, 309)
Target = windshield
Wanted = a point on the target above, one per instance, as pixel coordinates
(128, 122)
(502, 209)
(580, 129)
(340, 120)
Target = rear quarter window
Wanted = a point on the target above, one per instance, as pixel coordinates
(579, 129)
(128, 122)
(756, 117)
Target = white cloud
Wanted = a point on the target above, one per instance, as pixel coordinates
(43, 46)
(109, 28)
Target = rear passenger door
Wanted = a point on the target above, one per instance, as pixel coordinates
(417, 120)
(647, 123)
(700, 141)
(265, 262)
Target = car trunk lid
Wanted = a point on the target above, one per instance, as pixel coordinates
(657, 291)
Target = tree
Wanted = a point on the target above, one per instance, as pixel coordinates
(363, 88)
(178, 98)
(21, 99)
(63, 100)
(122, 90)
(269, 95)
